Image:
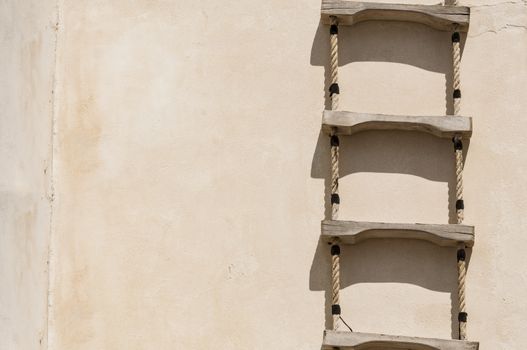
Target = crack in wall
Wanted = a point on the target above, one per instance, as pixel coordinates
(495, 18)
(51, 196)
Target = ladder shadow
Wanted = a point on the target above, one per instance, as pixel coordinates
(391, 152)
(396, 42)
(389, 261)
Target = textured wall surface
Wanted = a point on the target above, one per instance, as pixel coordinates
(190, 176)
(27, 62)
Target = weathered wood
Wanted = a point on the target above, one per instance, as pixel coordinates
(349, 340)
(348, 123)
(353, 232)
(439, 17)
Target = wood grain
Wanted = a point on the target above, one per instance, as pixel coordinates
(348, 123)
(355, 340)
(353, 232)
(446, 18)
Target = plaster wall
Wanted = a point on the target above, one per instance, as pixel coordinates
(191, 176)
(27, 63)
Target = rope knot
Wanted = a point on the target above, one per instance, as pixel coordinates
(458, 144)
(334, 89)
(334, 141)
(461, 255)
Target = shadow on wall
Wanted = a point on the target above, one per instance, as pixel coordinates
(423, 155)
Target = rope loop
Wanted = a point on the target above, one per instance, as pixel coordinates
(335, 142)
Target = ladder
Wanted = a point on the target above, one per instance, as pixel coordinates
(337, 123)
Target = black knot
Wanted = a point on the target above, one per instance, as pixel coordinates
(335, 309)
(335, 142)
(461, 255)
(460, 205)
(334, 89)
(335, 249)
(462, 317)
(458, 144)
(457, 93)
(335, 198)
(333, 29)
(455, 37)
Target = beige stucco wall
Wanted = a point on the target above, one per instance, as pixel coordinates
(190, 173)
(27, 62)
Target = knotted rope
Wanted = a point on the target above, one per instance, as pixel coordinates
(335, 287)
(462, 271)
(335, 200)
(334, 62)
(460, 206)
(456, 81)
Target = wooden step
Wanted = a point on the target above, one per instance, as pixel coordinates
(439, 17)
(353, 232)
(355, 340)
(348, 123)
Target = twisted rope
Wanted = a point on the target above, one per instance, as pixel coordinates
(334, 63)
(335, 290)
(462, 271)
(459, 183)
(458, 146)
(456, 85)
(334, 180)
(456, 59)
(335, 200)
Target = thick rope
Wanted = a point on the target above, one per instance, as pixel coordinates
(456, 85)
(335, 200)
(462, 271)
(458, 147)
(456, 60)
(334, 63)
(459, 184)
(334, 180)
(335, 291)
(334, 66)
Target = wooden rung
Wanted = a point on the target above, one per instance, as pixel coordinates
(353, 232)
(440, 17)
(355, 340)
(348, 123)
